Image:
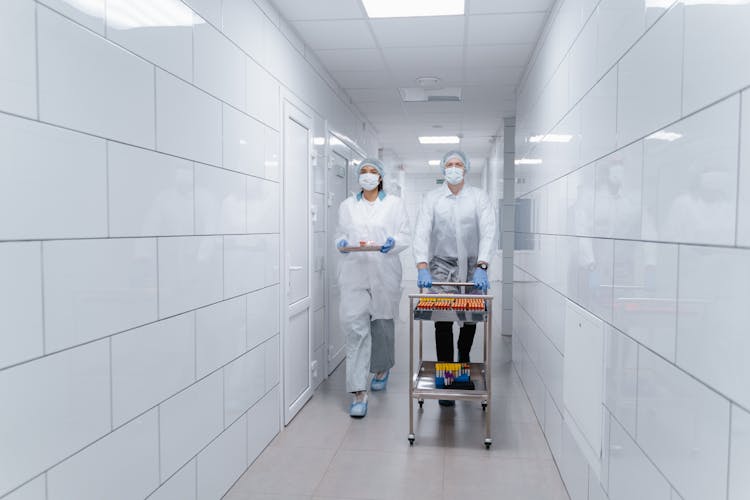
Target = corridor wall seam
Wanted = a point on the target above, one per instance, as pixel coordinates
(138, 344)
(641, 218)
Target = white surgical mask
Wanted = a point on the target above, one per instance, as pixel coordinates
(454, 175)
(368, 182)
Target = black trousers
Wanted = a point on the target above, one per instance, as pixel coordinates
(444, 341)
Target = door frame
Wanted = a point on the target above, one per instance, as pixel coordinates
(293, 109)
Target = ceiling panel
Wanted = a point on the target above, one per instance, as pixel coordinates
(335, 34)
(373, 95)
(361, 79)
(493, 76)
(400, 59)
(505, 28)
(498, 55)
(419, 32)
(505, 6)
(351, 59)
(297, 10)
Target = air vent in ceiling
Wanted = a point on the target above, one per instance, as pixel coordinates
(418, 94)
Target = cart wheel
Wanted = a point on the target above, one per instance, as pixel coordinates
(411, 439)
(484, 405)
(421, 402)
(487, 443)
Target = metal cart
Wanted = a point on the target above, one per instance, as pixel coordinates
(422, 385)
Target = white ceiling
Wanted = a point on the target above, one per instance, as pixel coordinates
(484, 52)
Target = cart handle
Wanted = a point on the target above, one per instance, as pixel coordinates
(448, 283)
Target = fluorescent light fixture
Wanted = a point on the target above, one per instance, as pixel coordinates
(130, 14)
(439, 139)
(551, 138)
(335, 141)
(663, 135)
(413, 8)
(433, 163)
(529, 161)
(319, 141)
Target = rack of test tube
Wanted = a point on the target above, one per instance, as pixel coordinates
(443, 308)
(452, 375)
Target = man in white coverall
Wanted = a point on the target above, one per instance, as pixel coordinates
(453, 242)
(370, 281)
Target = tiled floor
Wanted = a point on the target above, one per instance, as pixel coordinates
(325, 454)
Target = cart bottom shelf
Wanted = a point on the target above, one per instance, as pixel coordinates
(423, 384)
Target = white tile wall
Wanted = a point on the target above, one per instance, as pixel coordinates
(189, 421)
(149, 193)
(648, 77)
(272, 160)
(220, 334)
(743, 210)
(34, 490)
(243, 142)
(244, 383)
(712, 339)
(739, 461)
(670, 178)
(181, 486)
(21, 335)
(79, 73)
(261, 90)
(94, 288)
(250, 262)
(243, 22)
(18, 58)
(219, 201)
(188, 121)
(689, 182)
(190, 271)
(631, 474)
(262, 197)
(210, 10)
(165, 40)
(219, 65)
(692, 452)
(263, 309)
(150, 364)
(621, 378)
(712, 29)
(48, 422)
(61, 188)
(273, 362)
(223, 461)
(263, 424)
(645, 294)
(90, 14)
(121, 466)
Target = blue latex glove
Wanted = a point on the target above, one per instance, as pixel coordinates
(389, 243)
(424, 278)
(480, 279)
(341, 244)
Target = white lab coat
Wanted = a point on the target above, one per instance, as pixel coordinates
(376, 272)
(461, 226)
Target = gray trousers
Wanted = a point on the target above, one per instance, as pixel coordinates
(369, 349)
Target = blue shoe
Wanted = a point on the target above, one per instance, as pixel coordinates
(378, 384)
(358, 409)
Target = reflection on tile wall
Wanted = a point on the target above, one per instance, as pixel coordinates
(635, 114)
(136, 152)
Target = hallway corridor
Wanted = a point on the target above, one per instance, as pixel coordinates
(326, 454)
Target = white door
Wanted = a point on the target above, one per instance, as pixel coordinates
(337, 193)
(298, 260)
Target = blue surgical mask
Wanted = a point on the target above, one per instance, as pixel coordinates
(454, 175)
(368, 181)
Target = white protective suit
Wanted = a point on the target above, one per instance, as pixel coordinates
(370, 281)
(461, 226)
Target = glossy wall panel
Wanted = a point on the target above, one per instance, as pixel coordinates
(219, 334)
(659, 218)
(18, 58)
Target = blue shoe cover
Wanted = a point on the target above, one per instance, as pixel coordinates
(378, 384)
(358, 409)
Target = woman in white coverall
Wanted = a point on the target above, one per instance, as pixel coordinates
(454, 240)
(370, 281)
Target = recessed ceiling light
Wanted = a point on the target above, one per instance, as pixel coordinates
(433, 163)
(663, 135)
(439, 139)
(319, 141)
(413, 8)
